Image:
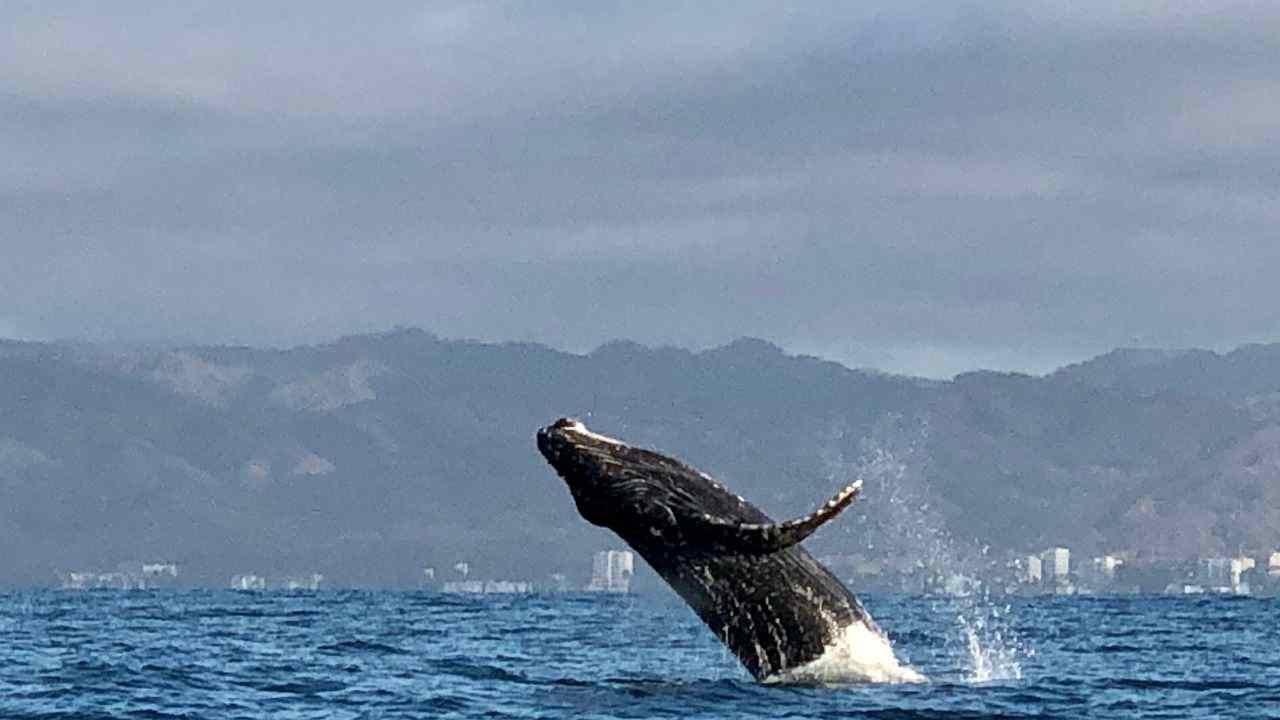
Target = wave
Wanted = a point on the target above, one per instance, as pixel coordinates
(465, 668)
(358, 647)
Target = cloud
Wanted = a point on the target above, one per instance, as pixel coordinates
(910, 186)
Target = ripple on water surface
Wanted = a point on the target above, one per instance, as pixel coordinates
(357, 655)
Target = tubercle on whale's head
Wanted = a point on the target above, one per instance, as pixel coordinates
(587, 462)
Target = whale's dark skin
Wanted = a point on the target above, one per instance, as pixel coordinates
(747, 577)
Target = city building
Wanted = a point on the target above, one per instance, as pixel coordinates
(127, 576)
(1107, 565)
(1215, 573)
(302, 582)
(1239, 566)
(159, 574)
(91, 580)
(464, 586)
(611, 571)
(1225, 575)
(248, 582)
(1056, 563)
(488, 587)
(160, 570)
(1055, 569)
(1034, 570)
(507, 587)
(1099, 574)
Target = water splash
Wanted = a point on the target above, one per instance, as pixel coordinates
(995, 651)
(858, 653)
(898, 502)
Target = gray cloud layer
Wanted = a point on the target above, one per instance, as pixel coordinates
(910, 187)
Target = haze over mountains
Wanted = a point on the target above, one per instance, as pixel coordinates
(374, 456)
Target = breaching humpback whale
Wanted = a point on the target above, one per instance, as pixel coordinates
(745, 576)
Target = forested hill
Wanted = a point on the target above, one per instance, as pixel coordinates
(373, 456)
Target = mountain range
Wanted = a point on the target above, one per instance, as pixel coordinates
(374, 456)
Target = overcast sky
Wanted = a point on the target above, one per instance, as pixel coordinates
(922, 189)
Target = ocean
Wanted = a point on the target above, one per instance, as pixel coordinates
(339, 654)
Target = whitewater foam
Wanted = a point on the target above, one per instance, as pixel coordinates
(857, 654)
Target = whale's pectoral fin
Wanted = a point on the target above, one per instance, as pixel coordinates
(762, 538)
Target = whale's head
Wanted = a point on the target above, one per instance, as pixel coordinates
(592, 465)
(613, 484)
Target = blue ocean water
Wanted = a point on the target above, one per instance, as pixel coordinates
(156, 654)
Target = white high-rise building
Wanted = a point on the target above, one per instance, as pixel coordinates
(1056, 564)
(611, 571)
(1034, 572)
(1240, 566)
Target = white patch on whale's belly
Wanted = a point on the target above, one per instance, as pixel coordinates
(857, 654)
